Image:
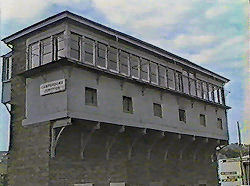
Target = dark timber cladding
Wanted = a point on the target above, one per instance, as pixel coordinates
(94, 106)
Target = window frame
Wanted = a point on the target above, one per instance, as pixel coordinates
(145, 63)
(98, 49)
(137, 67)
(6, 68)
(30, 54)
(93, 93)
(121, 64)
(203, 116)
(178, 81)
(154, 73)
(116, 61)
(79, 45)
(43, 45)
(220, 123)
(129, 106)
(162, 76)
(155, 107)
(55, 41)
(171, 82)
(184, 116)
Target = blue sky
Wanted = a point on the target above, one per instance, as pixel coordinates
(211, 33)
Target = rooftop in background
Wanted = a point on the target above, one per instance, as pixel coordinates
(147, 46)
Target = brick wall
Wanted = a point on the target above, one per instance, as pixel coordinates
(67, 168)
(29, 147)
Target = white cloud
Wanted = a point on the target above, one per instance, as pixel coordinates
(144, 13)
(27, 9)
(216, 11)
(174, 26)
(184, 41)
(224, 52)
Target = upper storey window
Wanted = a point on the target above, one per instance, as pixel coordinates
(162, 75)
(124, 63)
(101, 55)
(75, 43)
(171, 79)
(6, 74)
(34, 54)
(45, 51)
(89, 50)
(154, 73)
(144, 69)
(134, 66)
(114, 58)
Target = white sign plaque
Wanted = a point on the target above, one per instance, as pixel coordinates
(52, 87)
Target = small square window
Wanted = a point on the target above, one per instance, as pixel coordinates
(157, 110)
(127, 105)
(90, 96)
(182, 115)
(203, 120)
(219, 123)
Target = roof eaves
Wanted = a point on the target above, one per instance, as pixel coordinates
(144, 44)
(110, 31)
(6, 55)
(35, 26)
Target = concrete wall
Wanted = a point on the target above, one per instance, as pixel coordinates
(109, 97)
(50, 106)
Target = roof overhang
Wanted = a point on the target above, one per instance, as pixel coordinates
(115, 33)
(9, 54)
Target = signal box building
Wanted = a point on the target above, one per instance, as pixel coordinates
(94, 106)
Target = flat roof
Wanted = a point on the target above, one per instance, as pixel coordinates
(110, 31)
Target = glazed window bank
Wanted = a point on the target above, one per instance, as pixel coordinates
(105, 100)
